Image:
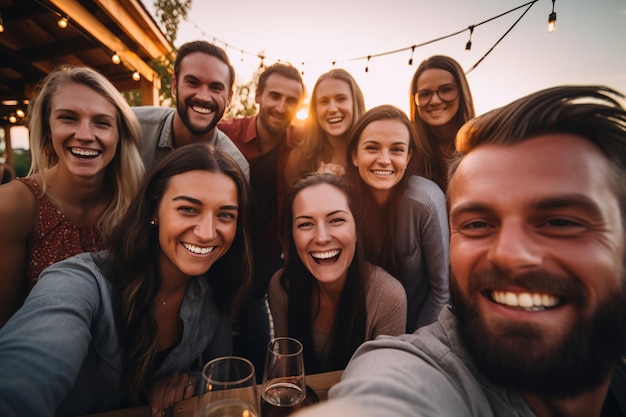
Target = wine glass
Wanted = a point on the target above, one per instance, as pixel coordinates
(284, 387)
(228, 389)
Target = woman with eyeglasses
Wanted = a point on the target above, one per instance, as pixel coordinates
(441, 102)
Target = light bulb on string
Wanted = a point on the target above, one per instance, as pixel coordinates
(136, 76)
(468, 45)
(367, 67)
(302, 72)
(411, 59)
(19, 113)
(552, 20)
(1, 24)
(116, 58)
(62, 22)
(12, 118)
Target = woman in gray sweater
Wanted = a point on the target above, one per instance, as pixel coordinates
(402, 214)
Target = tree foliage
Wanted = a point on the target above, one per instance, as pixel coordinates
(164, 66)
(243, 103)
(169, 13)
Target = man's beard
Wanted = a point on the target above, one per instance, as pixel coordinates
(271, 129)
(516, 358)
(184, 108)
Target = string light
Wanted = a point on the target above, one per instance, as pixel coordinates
(116, 58)
(136, 76)
(411, 59)
(19, 113)
(552, 20)
(12, 118)
(62, 22)
(468, 45)
(530, 4)
(1, 24)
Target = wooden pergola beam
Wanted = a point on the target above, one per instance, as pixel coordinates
(85, 19)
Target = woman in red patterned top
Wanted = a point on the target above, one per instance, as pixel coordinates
(85, 170)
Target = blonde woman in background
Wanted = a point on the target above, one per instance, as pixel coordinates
(336, 104)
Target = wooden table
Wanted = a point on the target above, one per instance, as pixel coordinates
(320, 383)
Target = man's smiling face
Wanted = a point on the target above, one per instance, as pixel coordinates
(202, 91)
(537, 260)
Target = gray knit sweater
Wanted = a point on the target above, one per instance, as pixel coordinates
(422, 249)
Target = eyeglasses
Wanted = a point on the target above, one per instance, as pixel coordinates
(445, 92)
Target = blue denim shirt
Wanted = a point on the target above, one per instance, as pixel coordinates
(61, 354)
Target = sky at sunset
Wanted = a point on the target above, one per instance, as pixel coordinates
(588, 47)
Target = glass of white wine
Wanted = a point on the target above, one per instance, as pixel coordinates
(284, 386)
(228, 389)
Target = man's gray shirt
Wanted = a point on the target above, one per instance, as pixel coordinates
(156, 126)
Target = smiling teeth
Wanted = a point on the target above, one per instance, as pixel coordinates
(525, 300)
(325, 255)
(84, 152)
(197, 249)
(335, 119)
(202, 110)
(382, 172)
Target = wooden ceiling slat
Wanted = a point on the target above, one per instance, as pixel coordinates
(32, 44)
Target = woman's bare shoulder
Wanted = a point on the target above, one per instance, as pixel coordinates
(18, 210)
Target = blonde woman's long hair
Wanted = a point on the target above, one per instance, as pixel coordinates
(316, 145)
(125, 171)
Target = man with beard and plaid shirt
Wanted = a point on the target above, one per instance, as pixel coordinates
(537, 211)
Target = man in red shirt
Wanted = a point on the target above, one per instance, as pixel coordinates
(266, 140)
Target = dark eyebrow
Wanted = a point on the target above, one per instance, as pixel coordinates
(332, 213)
(191, 77)
(469, 208)
(567, 200)
(187, 198)
(199, 203)
(63, 110)
(396, 143)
